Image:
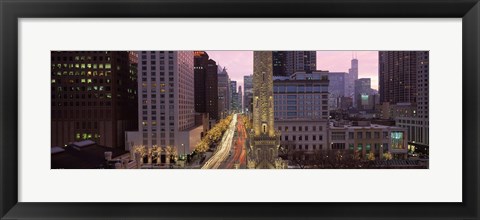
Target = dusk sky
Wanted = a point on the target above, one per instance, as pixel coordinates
(240, 63)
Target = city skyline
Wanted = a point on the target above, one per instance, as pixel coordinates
(240, 63)
(180, 109)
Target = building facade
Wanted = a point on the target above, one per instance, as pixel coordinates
(361, 138)
(304, 95)
(397, 76)
(279, 59)
(223, 92)
(248, 93)
(300, 61)
(409, 71)
(363, 94)
(206, 85)
(166, 108)
(336, 88)
(93, 96)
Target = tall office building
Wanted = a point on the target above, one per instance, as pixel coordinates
(223, 92)
(248, 93)
(352, 76)
(336, 88)
(418, 125)
(240, 99)
(206, 85)
(166, 107)
(285, 63)
(93, 96)
(397, 76)
(279, 59)
(301, 61)
(363, 91)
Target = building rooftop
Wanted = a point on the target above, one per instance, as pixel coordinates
(87, 157)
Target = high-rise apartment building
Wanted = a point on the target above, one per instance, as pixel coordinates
(418, 125)
(93, 96)
(206, 85)
(166, 107)
(397, 76)
(297, 61)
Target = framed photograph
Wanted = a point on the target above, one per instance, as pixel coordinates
(248, 110)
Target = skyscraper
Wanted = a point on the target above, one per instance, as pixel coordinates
(300, 61)
(263, 151)
(166, 101)
(223, 92)
(336, 88)
(279, 59)
(248, 93)
(240, 99)
(418, 125)
(93, 97)
(233, 96)
(350, 82)
(397, 76)
(206, 85)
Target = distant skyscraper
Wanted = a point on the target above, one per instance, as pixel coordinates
(336, 88)
(397, 76)
(248, 93)
(240, 99)
(233, 96)
(362, 91)
(93, 96)
(223, 92)
(300, 61)
(206, 85)
(352, 76)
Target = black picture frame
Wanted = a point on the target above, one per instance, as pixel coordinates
(12, 10)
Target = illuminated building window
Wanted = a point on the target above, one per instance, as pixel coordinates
(107, 66)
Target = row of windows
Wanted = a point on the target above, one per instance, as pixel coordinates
(81, 58)
(301, 138)
(300, 89)
(82, 73)
(300, 128)
(302, 147)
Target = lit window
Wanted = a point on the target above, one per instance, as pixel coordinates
(107, 66)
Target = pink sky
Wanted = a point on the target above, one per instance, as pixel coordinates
(240, 63)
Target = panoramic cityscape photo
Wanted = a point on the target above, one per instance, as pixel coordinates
(239, 109)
